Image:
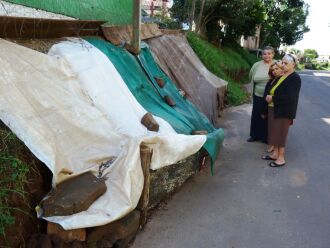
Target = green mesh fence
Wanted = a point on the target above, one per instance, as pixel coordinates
(116, 12)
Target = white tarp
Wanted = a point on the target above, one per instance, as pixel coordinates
(54, 105)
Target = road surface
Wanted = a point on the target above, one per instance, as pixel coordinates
(247, 204)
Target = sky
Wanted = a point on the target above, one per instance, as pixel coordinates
(318, 37)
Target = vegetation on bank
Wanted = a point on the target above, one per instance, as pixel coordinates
(13, 174)
(23, 182)
(229, 63)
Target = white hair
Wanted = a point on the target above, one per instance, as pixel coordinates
(290, 57)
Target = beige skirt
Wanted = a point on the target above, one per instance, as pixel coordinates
(277, 129)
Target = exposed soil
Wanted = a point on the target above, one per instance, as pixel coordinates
(37, 184)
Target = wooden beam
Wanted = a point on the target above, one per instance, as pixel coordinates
(136, 40)
(24, 27)
(145, 154)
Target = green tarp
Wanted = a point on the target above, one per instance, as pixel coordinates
(116, 12)
(139, 72)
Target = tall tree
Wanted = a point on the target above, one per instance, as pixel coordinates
(179, 11)
(192, 14)
(285, 22)
(223, 20)
(200, 16)
(310, 53)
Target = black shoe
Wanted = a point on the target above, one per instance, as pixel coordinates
(251, 139)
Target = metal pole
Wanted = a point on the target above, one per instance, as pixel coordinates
(136, 39)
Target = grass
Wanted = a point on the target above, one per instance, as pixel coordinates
(13, 173)
(229, 63)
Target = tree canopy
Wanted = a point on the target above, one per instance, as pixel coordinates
(310, 53)
(285, 22)
(281, 21)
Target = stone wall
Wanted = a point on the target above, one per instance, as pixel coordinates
(168, 179)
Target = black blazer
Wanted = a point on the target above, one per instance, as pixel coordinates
(268, 87)
(286, 97)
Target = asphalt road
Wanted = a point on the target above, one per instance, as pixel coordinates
(248, 204)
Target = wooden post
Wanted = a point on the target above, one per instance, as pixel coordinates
(136, 39)
(145, 154)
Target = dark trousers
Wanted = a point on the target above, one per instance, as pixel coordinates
(258, 129)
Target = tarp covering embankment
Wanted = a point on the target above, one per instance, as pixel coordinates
(139, 75)
(181, 64)
(74, 112)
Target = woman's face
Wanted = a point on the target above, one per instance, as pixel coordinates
(277, 70)
(288, 65)
(267, 55)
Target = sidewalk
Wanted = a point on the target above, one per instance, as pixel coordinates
(247, 204)
(226, 210)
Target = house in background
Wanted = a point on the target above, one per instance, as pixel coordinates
(251, 42)
(153, 7)
(323, 58)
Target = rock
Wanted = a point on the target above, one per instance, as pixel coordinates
(169, 101)
(39, 240)
(120, 231)
(160, 82)
(66, 235)
(51, 241)
(73, 195)
(149, 122)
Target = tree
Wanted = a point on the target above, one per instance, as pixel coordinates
(298, 53)
(310, 54)
(282, 21)
(200, 16)
(222, 19)
(285, 22)
(179, 10)
(192, 14)
(295, 51)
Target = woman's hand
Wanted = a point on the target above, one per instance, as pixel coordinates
(269, 98)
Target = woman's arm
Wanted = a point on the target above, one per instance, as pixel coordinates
(252, 72)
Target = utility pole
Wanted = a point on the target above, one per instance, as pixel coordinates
(164, 7)
(136, 39)
(152, 8)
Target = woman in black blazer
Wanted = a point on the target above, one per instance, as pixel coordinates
(282, 99)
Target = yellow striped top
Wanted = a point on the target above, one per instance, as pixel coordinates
(272, 91)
